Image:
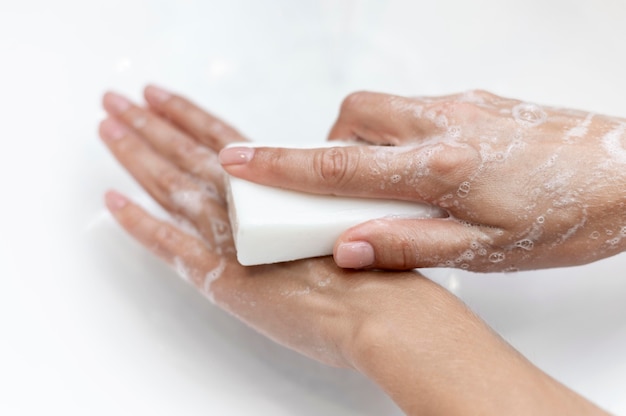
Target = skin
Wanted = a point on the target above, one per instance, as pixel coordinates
(522, 186)
(415, 339)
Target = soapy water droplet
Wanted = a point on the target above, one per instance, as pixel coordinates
(464, 266)
(395, 178)
(609, 232)
(474, 245)
(525, 244)
(541, 219)
(463, 190)
(496, 257)
(594, 235)
(623, 232)
(482, 251)
(468, 255)
(614, 241)
(529, 114)
(454, 132)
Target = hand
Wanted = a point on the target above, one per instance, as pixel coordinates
(405, 332)
(524, 186)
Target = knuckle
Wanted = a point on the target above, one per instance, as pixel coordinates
(334, 166)
(136, 117)
(162, 234)
(452, 161)
(401, 254)
(177, 103)
(484, 94)
(183, 148)
(354, 100)
(171, 180)
(135, 222)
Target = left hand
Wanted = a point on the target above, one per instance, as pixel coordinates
(170, 148)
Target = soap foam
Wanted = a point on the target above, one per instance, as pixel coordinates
(211, 277)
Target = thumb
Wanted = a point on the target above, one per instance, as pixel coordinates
(402, 244)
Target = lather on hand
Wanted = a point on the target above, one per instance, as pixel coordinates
(412, 337)
(525, 186)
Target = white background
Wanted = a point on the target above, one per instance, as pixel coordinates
(91, 324)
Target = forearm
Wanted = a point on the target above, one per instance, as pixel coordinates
(435, 357)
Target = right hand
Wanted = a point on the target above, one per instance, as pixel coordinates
(525, 187)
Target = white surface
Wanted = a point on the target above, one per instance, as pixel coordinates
(271, 225)
(91, 324)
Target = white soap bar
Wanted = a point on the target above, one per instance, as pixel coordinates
(272, 225)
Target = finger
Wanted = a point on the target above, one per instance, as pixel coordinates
(177, 191)
(186, 253)
(406, 244)
(424, 173)
(384, 119)
(169, 141)
(206, 128)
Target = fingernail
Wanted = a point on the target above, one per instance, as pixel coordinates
(112, 129)
(236, 155)
(115, 201)
(354, 255)
(115, 103)
(156, 95)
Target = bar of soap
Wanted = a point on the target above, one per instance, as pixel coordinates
(272, 225)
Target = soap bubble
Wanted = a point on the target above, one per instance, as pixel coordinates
(463, 190)
(496, 257)
(468, 255)
(529, 114)
(613, 241)
(525, 244)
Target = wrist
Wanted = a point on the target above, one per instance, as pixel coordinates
(434, 356)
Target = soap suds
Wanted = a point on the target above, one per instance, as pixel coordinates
(496, 257)
(612, 143)
(529, 115)
(463, 190)
(221, 232)
(181, 269)
(189, 200)
(580, 130)
(212, 276)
